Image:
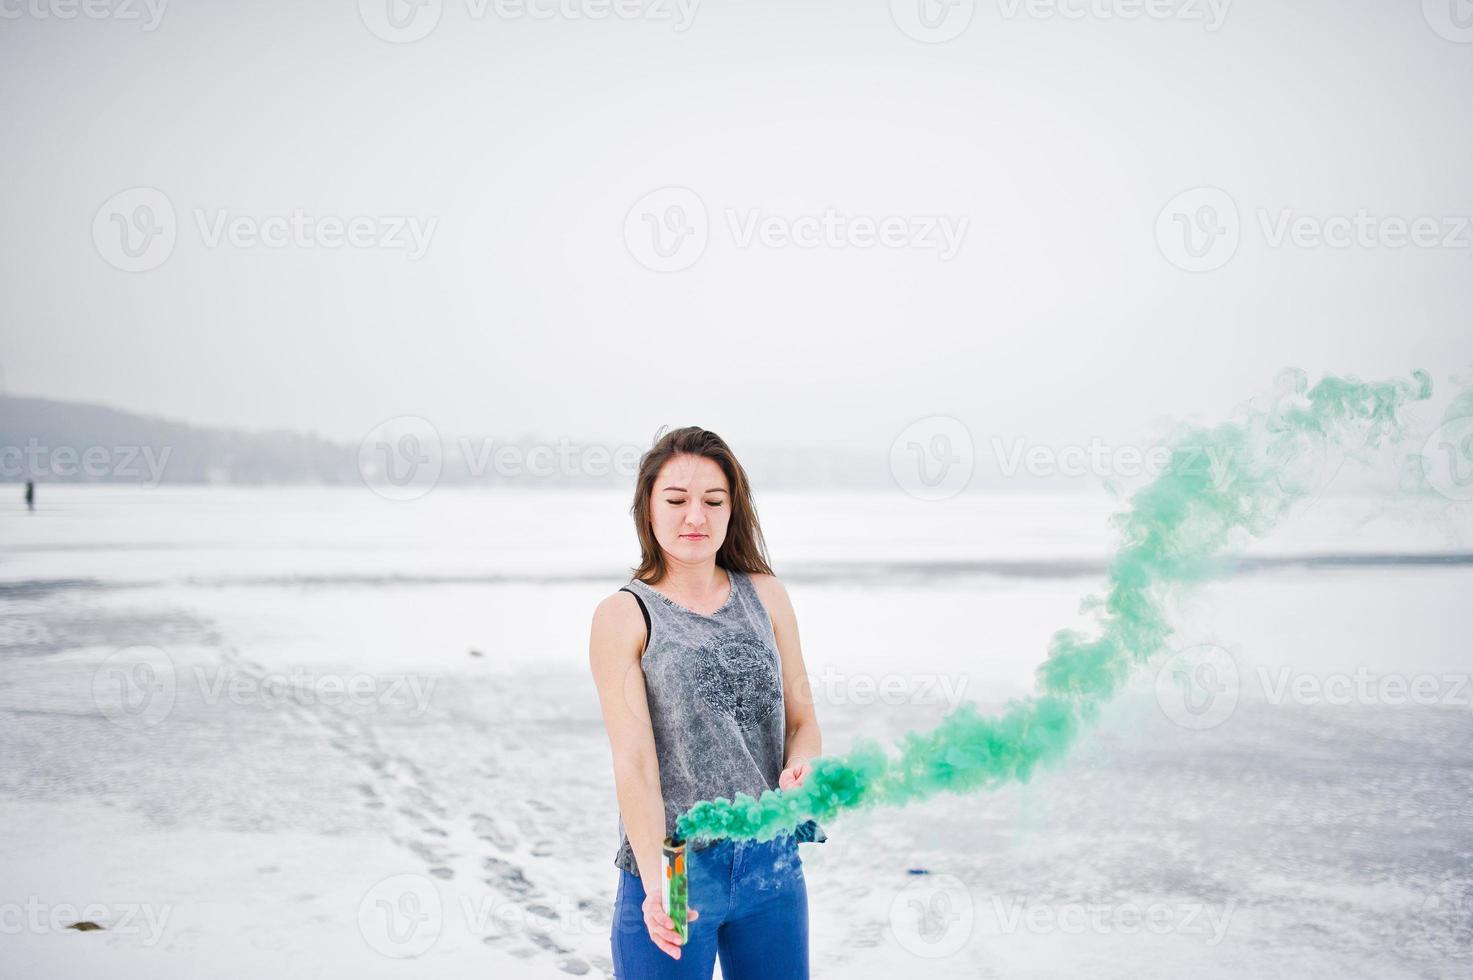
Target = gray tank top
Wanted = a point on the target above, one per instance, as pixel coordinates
(715, 691)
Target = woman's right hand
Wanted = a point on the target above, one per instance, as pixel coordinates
(661, 926)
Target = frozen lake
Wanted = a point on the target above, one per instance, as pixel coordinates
(314, 733)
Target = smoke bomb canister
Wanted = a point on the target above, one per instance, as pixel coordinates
(673, 882)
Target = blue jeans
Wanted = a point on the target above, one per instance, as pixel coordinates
(754, 914)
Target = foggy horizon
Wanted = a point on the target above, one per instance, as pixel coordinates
(1032, 285)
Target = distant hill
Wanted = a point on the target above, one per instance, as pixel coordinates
(53, 441)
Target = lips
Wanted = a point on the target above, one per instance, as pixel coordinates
(692, 537)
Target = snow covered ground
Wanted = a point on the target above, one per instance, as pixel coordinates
(314, 733)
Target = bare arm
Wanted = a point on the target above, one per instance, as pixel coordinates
(615, 643)
(804, 741)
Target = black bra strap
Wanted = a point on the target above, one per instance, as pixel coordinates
(648, 630)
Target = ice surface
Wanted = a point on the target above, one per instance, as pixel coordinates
(268, 820)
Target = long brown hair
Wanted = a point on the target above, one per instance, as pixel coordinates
(743, 549)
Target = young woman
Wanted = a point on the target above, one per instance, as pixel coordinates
(704, 695)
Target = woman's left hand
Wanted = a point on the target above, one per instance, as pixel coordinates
(794, 775)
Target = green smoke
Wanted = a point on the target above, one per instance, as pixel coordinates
(1220, 485)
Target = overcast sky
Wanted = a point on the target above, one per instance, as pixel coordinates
(1021, 162)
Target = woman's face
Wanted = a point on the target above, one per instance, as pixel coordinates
(689, 508)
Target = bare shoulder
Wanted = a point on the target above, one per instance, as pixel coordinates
(773, 593)
(617, 623)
